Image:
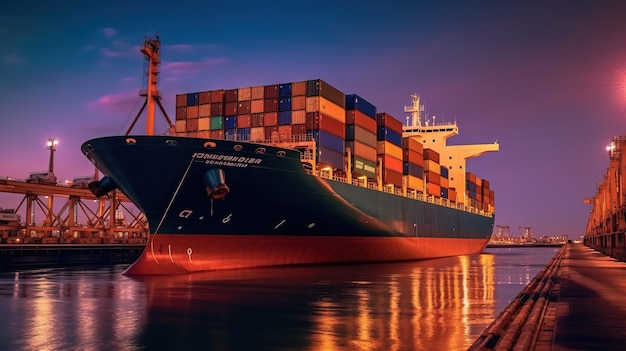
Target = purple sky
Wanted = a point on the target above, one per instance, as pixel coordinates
(545, 78)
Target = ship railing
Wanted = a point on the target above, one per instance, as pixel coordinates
(395, 190)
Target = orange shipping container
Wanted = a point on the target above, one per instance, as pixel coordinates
(409, 143)
(217, 134)
(204, 134)
(432, 166)
(444, 182)
(298, 88)
(284, 132)
(452, 195)
(358, 118)
(415, 183)
(325, 106)
(204, 123)
(384, 147)
(256, 133)
(298, 117)
(433, 189)
(192, 111)
(256, 106)
(298, 102)
(204, 110)
(363, 151)
(257, 92)
(181, 126)
(243, 94)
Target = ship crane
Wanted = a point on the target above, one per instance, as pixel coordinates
(150, 49)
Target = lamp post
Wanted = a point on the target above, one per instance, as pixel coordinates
(52, 145)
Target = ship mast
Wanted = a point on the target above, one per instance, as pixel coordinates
(415, 110)
(150, 50)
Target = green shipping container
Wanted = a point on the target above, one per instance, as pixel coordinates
(217, 122)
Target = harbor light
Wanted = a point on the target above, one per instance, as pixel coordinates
(52, 146)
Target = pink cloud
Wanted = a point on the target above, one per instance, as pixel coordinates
(108, 32)
(184, 68)
(118, 103)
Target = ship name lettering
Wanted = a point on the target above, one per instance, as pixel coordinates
(226, 159)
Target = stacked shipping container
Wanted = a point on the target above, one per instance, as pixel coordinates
(336, 121)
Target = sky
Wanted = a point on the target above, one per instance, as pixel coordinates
(546, 79)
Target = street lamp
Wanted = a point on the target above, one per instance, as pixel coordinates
(52, 145)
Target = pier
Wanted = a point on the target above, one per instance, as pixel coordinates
(575, 303)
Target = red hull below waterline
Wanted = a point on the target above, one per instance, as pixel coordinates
(180, 253)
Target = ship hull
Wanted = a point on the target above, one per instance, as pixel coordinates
(176, 253)
(220, 204)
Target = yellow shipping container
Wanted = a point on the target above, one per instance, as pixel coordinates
(432, 166)
(325, 106)
(204, 123)
(415, 183)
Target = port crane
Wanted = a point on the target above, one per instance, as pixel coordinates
(150, 49)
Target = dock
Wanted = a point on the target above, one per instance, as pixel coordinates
(29, 256)
(577, 302)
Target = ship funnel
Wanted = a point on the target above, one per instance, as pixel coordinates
(102, 187)
(215, 182)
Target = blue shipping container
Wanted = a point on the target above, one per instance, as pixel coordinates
(328, 140)
(284, 104)
(230, 122)
(284, 90)
(391, 136)
(444, 172)
(192, 99)
(230, 134)
(444, 193)
(243, 134)
(330, 157)
(284, 118)
(355, 102)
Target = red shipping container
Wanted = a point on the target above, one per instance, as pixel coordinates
(243, 121)
(413, 157)
(317, 120)
(230, 108)
(181, 100)
(270, 105)
(430, 154)
(360, 119)
(271, 91)
(271, 133)
(270, 119)
(298, 102)
(432, 177)
(392, 163)
(217, 109)
(256, 120)
(392, 177)
(284, 133)
(204, 110)
(433, 189)
(181, 113)
(230, 95)
(217, 95)
(410, 143)
(204, 97)
(243, 107)
(298, 129)
(389, 121)
(192, 124)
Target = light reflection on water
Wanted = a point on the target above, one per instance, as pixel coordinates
(441, 304)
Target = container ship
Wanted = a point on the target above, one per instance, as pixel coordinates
(606, 226)
(296, 174)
